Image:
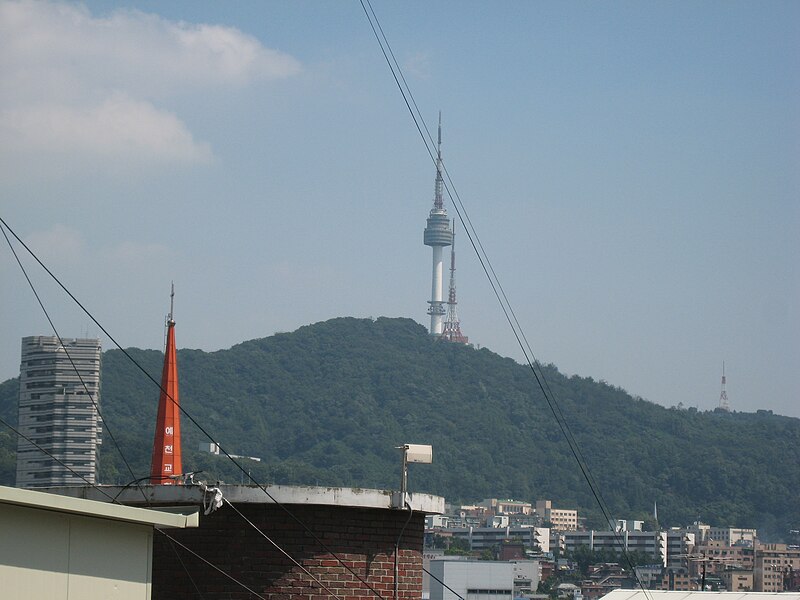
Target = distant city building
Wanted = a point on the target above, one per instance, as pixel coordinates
(527, 575)
(58, 383)
(623, 525)
(507, 507)
(720, 557)
(728, 536)
(471, 579)
(774, 567)
(559, 518)
(603, 578)
(482, 538)
(668, 548)
(737, 580)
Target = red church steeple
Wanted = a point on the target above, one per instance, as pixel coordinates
(166, 461)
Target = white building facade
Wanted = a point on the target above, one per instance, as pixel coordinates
(59, 385)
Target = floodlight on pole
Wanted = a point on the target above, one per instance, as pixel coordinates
(412, 453)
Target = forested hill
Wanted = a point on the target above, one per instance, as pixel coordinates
(328, 403)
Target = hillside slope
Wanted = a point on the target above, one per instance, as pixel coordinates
(328, 403)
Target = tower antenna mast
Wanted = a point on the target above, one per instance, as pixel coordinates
(723, 395)
(437, 235)
(171, 302)
(452, 326)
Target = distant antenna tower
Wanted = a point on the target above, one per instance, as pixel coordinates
(723, 395)
(438, 235)
(451, 331)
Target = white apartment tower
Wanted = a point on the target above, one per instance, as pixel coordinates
(59, 385)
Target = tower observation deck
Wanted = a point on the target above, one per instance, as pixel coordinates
(438, 234)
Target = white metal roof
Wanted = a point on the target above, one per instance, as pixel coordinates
(664, 595)
(188, 517)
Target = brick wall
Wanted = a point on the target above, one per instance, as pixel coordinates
(363, 538)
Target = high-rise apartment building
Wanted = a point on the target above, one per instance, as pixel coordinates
(58, 382)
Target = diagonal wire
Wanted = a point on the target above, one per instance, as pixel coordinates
(443, 583)
(282, 551)
(115, 501)
(494, 281)
(185, 570)
(210, 564)
(71, 362)
(194, 421)
(60, 462)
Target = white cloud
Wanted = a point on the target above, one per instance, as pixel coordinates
(117, 128)
(137, 254)
(418, 65)
(57, 245)
(43, 43)
(76, 83)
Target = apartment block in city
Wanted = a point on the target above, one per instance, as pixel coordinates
(59, 383)
(774, 566)
(560, 519)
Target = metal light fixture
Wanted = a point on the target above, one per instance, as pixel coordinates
(412, 453)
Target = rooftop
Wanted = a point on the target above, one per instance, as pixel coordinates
(251, 494)
(187, 517)
(663, 595)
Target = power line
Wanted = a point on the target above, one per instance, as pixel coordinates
(72, 362)
(193, 420)
(459, 596)
(282, 551)
(114, 500)
(59, 461)
(210, 564)
(491, 275)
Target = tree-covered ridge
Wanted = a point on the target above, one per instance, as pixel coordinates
(328, 403)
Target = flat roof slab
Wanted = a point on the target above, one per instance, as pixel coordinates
(251, 494)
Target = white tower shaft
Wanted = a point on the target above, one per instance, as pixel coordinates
(438, 235)
(437, 287)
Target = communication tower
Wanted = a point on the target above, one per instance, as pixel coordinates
(452, 327)
(166, 464)
(438, 235)
(723, 395)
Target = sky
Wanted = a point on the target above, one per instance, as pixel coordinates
(631, 169)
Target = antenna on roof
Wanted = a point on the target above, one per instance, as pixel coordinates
(171, 302)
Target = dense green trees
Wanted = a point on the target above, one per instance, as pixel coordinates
(328, 403)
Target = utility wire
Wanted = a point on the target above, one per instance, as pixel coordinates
(210, 564)
(59, 461)
(72, 362)
(491, 275)
(459, 596)
(185, 570)
(282, 551)
(192, 419)
(114, 500)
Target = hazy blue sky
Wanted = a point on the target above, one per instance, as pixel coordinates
(631, 168)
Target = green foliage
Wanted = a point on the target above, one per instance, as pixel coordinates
(458, 547)
(328, 403)
(584, 558)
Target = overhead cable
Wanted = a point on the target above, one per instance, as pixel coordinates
(194, 421)
(494, 281)
(71, 362)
